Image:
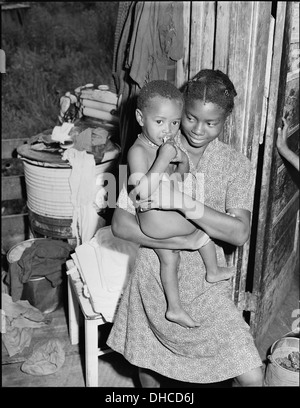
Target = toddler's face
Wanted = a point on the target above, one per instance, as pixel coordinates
(161, 119)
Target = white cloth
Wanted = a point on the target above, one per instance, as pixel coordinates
(83, 192)
(104, 264)
(61, 133)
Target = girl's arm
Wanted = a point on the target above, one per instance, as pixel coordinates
(124, 225)
(234, 230)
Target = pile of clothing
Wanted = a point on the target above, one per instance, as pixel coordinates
(44, 258)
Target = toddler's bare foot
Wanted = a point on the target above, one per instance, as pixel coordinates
(181, 317)
(222, 273)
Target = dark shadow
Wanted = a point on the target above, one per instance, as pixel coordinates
(169, 383)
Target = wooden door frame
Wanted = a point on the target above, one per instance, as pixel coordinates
(268, 175)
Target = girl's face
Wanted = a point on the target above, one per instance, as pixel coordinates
(160, 119)
(202, 122)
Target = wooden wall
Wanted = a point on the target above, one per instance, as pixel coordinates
(257, 45)
(232, 37)
(277, 254)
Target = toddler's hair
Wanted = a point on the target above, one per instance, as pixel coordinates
(159, 87)
(211, 86)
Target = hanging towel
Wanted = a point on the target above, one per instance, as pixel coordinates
(82, 183)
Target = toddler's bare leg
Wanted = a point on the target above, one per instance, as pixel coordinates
(214, 273)
(169, 261)
(164, 224)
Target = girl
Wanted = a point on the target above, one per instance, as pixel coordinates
(159, 111)
(222, 347)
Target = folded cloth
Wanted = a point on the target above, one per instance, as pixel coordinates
(47, 358)
(116, 258)
(103, 106)
(99, 114)
(105, 263)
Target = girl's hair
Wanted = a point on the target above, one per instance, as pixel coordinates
(161, 88)
(211, 86)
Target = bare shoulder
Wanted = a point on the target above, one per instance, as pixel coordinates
(138, 158)
(137, 149)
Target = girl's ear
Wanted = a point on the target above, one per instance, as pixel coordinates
(139, 117)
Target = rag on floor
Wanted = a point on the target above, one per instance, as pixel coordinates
(82, 181)
(47, 358)
(43, 258)
(18, 320)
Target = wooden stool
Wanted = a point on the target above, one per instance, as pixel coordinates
(91, 322)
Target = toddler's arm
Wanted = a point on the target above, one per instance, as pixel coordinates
(147, 180)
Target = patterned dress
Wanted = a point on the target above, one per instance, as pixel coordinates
(222, 347)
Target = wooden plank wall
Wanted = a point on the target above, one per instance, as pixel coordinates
(241, 50)
(232, 37)
(277, 255)
(182, 66)
(247, 44)
(202, 36)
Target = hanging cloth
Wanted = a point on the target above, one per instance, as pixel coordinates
(148, 35)
(82, 181)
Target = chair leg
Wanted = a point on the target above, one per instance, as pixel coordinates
(91, 352)
(73, 307)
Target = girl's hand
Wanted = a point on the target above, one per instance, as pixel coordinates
(165, 197)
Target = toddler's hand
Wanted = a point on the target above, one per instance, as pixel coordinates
(168, 150)
(166, 197)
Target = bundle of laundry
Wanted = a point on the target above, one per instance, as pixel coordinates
(90, 136)
(18, 320)
(44, 258)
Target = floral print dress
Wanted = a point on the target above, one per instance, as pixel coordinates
(222, 347)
